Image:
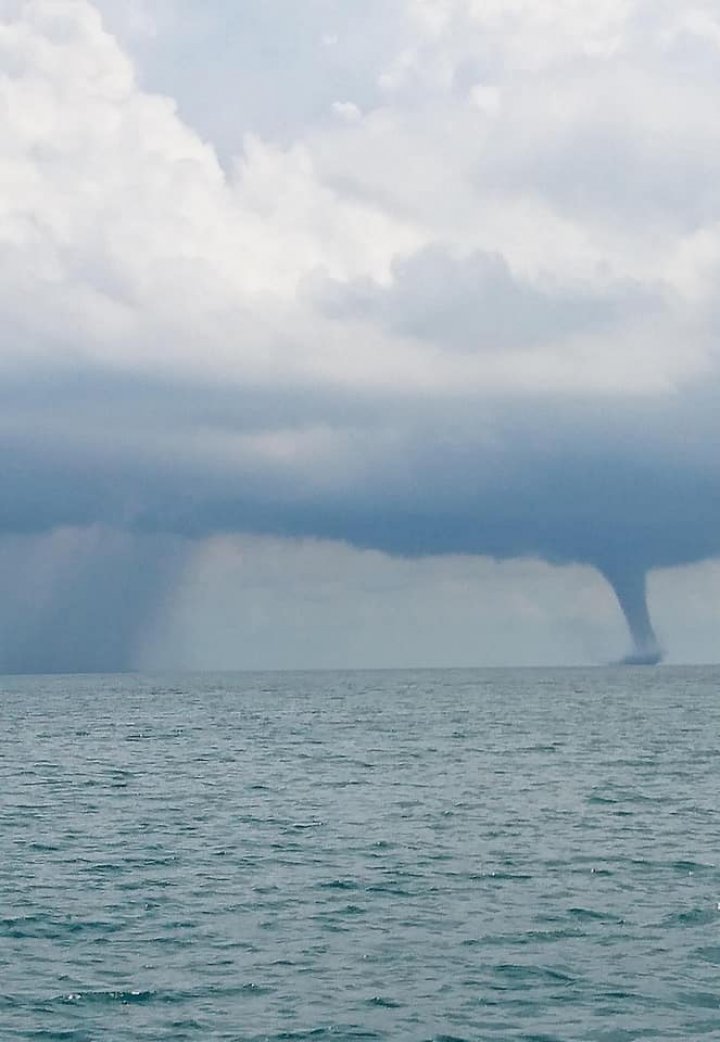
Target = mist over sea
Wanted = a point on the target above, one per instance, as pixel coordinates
(466, 855)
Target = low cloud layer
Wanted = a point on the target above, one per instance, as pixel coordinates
(456, 295)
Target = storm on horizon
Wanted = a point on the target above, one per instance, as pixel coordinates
(358, 335)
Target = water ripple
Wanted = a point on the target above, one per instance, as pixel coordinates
(456, 856)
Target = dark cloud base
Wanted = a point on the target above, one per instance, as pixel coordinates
(570, 495)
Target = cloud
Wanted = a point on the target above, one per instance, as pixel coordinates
(268, 69)
(475, 304)
(473, 315)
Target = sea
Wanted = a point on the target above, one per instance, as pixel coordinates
(410, 855)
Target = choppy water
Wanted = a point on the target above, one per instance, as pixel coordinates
(436, 855)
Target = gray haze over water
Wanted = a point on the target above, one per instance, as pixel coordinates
(468, 855)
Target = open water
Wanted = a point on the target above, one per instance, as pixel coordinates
(459, 855)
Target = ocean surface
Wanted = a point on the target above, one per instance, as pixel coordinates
(475, 855)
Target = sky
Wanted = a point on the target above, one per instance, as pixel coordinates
(358, 334)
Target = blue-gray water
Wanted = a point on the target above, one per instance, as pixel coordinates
(410, 856)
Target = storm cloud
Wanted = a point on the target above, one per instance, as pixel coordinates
(463, 305)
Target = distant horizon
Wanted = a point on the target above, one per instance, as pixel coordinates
(150, 674)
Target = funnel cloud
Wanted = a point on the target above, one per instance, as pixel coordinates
(630, 587)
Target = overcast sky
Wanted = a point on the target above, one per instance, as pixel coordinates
(357, 333)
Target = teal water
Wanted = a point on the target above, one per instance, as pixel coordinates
(459, 855)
